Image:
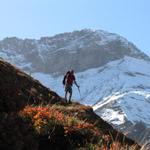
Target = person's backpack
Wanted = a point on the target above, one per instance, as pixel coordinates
(65, 77)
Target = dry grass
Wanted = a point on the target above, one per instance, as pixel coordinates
(46, 118)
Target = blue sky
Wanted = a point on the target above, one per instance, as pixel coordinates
(36, 18)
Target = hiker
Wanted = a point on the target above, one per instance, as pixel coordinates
(68, 81)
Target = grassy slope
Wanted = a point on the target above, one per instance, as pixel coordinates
(36, 118)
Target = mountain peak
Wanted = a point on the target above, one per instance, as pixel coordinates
(80, 50)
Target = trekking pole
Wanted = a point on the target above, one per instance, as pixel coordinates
(79, 93)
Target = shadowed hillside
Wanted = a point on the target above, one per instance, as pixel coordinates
(18, 89)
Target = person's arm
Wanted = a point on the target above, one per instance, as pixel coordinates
(76, 84)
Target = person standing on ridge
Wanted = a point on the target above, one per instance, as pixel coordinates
(68, 81)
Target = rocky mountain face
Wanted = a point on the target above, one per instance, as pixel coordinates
(79, 50)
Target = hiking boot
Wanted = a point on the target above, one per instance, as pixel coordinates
(69, 101)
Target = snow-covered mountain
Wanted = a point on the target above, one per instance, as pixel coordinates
(118, 91)
(114, 75)
(80, 50)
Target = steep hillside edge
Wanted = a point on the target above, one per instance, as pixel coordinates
(36, 118)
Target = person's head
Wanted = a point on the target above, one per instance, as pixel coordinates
(72, 71)
(68, 72)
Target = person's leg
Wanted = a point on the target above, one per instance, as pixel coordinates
(70, 97)
(70, 91)
(66, 95)
(66, 91)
